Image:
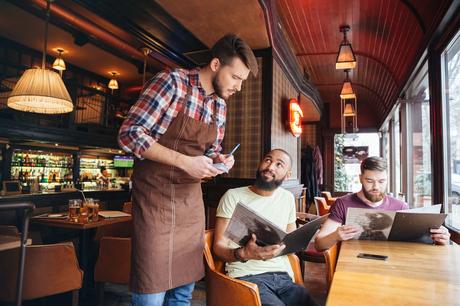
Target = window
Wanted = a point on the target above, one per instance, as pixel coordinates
(419, 151)
(349, 151)
(451, 105)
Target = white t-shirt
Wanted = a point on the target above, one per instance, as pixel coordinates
(279, 208)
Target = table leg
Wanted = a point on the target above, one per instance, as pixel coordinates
(83, 249)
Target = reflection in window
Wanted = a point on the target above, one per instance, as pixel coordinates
(421, 153)
(451, 92)
(349, 151)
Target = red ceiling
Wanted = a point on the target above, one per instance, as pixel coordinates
(387, 37)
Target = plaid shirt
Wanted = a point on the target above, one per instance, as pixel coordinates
(149, 118)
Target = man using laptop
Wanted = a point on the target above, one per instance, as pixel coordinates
(273, 275)
(373, 179)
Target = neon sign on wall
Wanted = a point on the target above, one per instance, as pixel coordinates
(295, 118)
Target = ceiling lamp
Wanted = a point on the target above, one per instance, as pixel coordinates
(349, 115)
(347, 90)
(146, 51)
(40, 90)
(349, 109)
(59, 63)
(113, 84)
(345, 58)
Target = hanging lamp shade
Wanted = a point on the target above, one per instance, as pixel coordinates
(349, 110)
(59, 64)
(345, 58)
(113, 84)
(40, 91)
(347, 91)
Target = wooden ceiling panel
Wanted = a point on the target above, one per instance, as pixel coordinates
(386, 35)
(209, 20)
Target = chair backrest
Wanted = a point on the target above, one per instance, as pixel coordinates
(128, 207)
(114, 260)
(330, 200)
(9, 230)
(49, 269)
(330, 257)
(327, 195)
(321, 206)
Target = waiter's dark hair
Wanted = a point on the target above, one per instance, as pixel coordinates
(373, 163)
(231, 46)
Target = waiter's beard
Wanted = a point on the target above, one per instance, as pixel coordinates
(262, 183)
(374, 198)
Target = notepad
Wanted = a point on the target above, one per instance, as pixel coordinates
(113, 214)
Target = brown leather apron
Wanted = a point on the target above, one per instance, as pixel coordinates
(168, 211)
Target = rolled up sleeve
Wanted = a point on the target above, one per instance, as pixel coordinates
(137, 133)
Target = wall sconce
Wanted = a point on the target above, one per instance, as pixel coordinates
(113, 84)
(295, 118)
(40, 90)
(347, 90)
(345, 58)
(59, 63)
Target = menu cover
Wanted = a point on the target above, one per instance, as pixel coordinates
(245, 222)
(113, 214)
(404, 225)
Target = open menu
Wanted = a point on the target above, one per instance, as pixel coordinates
(245, 222)
(404, 225)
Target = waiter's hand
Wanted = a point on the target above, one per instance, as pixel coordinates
(199, 166)
(228, 160)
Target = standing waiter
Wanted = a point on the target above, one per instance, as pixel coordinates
(175, 129)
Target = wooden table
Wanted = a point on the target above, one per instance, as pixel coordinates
(84, 241)
(413, 274)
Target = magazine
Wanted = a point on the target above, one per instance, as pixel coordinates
(245, 222)
(404, 225)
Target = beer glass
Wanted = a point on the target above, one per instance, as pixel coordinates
(83, 218)
(93, 210)
(74, 209)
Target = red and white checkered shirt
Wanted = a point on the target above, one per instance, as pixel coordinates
(149, 118)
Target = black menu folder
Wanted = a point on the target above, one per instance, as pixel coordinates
(245, 222)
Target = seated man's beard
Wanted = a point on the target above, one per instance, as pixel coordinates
(372, 197)
(262, 184)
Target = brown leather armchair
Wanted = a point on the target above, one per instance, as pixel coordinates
(330, 257)
(49, 269)
(321, 206)
(124, 229)
(330, 200)
(222, 290)
(113, 264)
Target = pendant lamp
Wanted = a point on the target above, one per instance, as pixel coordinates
(347, 90)
(345, 58)
(40, 90)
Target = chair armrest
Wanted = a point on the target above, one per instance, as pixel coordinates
(222, 290)
(295, 264)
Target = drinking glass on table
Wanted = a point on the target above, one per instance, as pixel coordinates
(74, 209)
(84, 210)
(93, 210)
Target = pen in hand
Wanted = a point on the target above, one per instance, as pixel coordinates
(234, 150)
